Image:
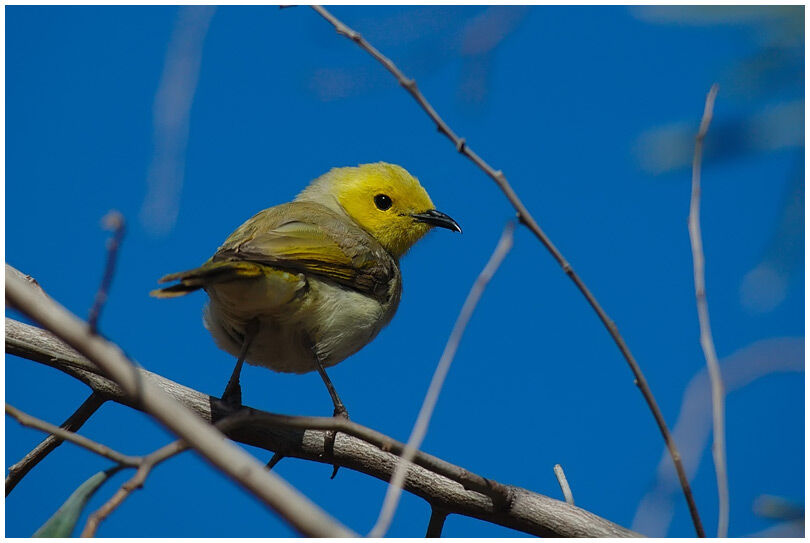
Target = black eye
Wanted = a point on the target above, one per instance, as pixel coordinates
(382, 202)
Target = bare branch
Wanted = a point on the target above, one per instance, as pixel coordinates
(566, 490)
(147, 463)
(274, 460)
(436, 523)
(81, 441)
(498, 492)
(423, 419)
(114, 221)
(25, 277)
(529, 512)
(241, 467)
(706, 342)
(526, 218)
(693, 426)
(19, 470)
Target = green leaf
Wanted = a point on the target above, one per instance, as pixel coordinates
(62, 523)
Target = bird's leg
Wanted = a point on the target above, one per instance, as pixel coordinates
(233, 391)
(340, 411)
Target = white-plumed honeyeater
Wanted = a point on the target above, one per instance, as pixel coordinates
(301, 286)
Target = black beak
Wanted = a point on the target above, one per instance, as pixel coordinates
(437, 218)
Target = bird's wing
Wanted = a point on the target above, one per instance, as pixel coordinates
(318, 243)
(283, 284)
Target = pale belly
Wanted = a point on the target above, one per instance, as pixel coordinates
(322, 318)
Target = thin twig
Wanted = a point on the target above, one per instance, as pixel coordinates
(423, 420)
(566, 490)
(65, 435)
(146, 466)
(19, 470)
(527, 219)
(277, 457)
(706, 342)
(436, 523)
(530, 512)
(693, 426)
(148, 463)
(237, 464)
(114, 221)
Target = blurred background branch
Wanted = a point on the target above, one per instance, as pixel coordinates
(769, 80)
(748, 365)
(171, 117)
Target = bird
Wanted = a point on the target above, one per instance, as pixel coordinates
(303, 285)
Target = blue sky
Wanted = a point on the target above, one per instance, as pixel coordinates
(589, 111)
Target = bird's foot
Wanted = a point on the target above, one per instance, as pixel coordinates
(233, 395)
(329, 441)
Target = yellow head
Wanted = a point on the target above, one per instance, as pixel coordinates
(384, 199)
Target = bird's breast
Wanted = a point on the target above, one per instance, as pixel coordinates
(322, 318)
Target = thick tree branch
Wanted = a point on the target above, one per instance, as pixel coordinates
(526, 218)
(530, 512)
(19, 470)
(240, 466)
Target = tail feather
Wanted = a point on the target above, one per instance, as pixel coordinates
(207, 274)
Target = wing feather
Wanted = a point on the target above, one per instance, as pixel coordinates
(307, 237)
